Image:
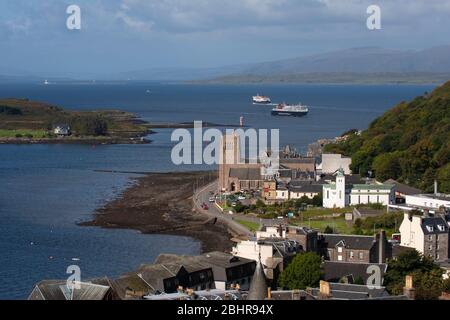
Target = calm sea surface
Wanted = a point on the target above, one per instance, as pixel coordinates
(46, 189)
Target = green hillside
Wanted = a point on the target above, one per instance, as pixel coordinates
(410, 143)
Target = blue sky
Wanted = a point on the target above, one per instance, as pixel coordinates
(122, 35)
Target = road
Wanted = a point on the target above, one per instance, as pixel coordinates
(202, 196)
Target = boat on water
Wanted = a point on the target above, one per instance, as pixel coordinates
(261, 99)
(284, 109)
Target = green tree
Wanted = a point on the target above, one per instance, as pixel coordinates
(429, 285)
(328, 230)
(304, 271)
(411, 263)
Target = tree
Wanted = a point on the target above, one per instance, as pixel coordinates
(423, 270)
(328, 230)
(304, 271)
(429, 285)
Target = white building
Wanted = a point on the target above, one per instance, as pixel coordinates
(333, 162)
(272, 252)
(428, 201)
(339, 194)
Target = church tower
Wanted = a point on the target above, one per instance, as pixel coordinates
(340, 189)
(230, 154)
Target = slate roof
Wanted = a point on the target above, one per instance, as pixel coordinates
(58, 290)
(340, 291)
(218, 261)
(246, 173)
(305, 187)
(334, 271)
(434, 223)
(403, 188)
(349, 241)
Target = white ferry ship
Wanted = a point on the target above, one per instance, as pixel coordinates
(261, 99)
(284, 109)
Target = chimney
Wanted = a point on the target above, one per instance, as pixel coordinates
(409, 290)
(435, 188)
(382, 247)
(325, 290)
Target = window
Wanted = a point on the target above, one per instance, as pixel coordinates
(430, 248)
(361, 255)
(340, 249)
(430, 228)
(430, 237)
(352, 254)
(328, 194)
(340, 194)
(441, 227)
(339, 258)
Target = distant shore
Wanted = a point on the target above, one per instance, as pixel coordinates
(161, 203)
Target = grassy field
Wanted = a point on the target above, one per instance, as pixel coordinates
(22, 132)
(338, 224)
(252, 226)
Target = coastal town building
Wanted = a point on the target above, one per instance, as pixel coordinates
(355, 248)
(402, 190)
(306, 238)
(350, 272)
(428, 235)
(61, 130)
(333, 162)
(340, 194)
(274, 254)
(300, 189)
(100, 289)
(228, 271)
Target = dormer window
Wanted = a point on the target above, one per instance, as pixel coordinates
(430, 228)
(441, 227)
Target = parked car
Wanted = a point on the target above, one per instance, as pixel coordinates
(241, 198)
(234, 204)
(212, 199)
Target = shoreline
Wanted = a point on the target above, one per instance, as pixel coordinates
(153, 206)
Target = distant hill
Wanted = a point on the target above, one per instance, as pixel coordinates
(409, 143)
(365, 65)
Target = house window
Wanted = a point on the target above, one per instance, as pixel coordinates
(430, 248)
(441, 227)
(437, 257)
(339, 258)
(340, 194)
(430, 228)
(340, 249)
(352, 254)
(361, 255)
(328, 194)
(430, 237)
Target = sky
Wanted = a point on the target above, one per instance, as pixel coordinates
(125, 35)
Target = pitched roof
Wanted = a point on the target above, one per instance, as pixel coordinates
(403, 188)
(341, 291)
(334, 271)
(58, 290)
(349, 241)
(305, 187)
(431, 225)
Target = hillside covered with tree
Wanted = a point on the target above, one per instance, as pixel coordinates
(409, 143)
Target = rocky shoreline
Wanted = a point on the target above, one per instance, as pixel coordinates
(161, 203)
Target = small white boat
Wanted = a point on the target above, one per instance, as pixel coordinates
(258, 99)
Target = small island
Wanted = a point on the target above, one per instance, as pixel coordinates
(26, 122)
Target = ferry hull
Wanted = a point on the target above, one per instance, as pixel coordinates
(289, 113)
